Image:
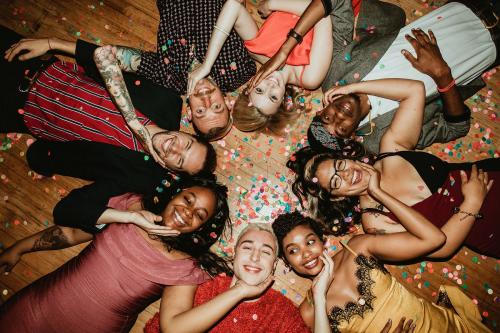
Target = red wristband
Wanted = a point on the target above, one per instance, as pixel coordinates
(447, 88)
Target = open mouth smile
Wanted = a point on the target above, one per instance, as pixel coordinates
(179, 221)
(311, 264)
(356, 177)
(252, 269)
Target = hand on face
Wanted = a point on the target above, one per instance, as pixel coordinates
(322, 281)
(335, 92)
(146, 220)
(179, 151)
(276, 62)
(252, 291)
(374, 181)
(268, 95)
(429, 59)
(190, 209)
(195, 76)
(142, 133)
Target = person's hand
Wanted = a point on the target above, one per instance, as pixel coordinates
(335, 92)
(141, 132)
(35, 48)
(476, 187)
(277, 61)
(374, 182)
(9, 258)
(247, 291)
(146, 220)
(195, 76)
(322, 281)
(263, 8)
(429, 59)
(409, 327)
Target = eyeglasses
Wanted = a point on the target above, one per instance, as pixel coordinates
(336, 180)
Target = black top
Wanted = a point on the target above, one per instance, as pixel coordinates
(434, 171)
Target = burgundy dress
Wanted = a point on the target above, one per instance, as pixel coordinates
(103, 289)
(443, 180)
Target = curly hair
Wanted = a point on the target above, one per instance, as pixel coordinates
(338, 215)
(285, 223)
(248, 118)
(197, 243)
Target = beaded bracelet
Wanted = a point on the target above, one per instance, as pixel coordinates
(456, 210)
(447, 88)
(292, 33)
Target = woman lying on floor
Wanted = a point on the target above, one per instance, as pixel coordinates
(459, 198)
(124, 268)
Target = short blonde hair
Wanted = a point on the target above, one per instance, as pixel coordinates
(248, 118)
(258, 227)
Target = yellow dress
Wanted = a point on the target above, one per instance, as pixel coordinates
(383, 297)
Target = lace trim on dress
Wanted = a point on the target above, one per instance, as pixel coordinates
(365, 300)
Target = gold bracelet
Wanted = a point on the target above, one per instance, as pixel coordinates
(456, 210)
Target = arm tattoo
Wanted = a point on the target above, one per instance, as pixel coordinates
(128, 58)
(52, 239)
(107, 64)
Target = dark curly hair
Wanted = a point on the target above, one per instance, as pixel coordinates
(336, 215)
(197, 243)
(285, 223)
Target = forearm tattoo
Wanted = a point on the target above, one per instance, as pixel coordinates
(107, 64)
(51, 239)
(144, 136)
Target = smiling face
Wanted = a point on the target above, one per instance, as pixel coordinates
(342, 177)
(302, 248)
(190, 209)
(342, 116)
(267, 96)
(180, 151)
(255, 256)
(208, 107)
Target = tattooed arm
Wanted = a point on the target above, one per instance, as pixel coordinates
(53, 238)
(110, 61)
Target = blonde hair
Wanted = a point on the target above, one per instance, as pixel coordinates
(248, 118)
(258, 227)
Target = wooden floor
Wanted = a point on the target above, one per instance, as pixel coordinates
(251, 165)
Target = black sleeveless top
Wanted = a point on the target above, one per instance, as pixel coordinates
(433, 170)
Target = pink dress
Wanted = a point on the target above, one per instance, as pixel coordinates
(103, 289)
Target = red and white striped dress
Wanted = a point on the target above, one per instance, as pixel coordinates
(65, 105)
